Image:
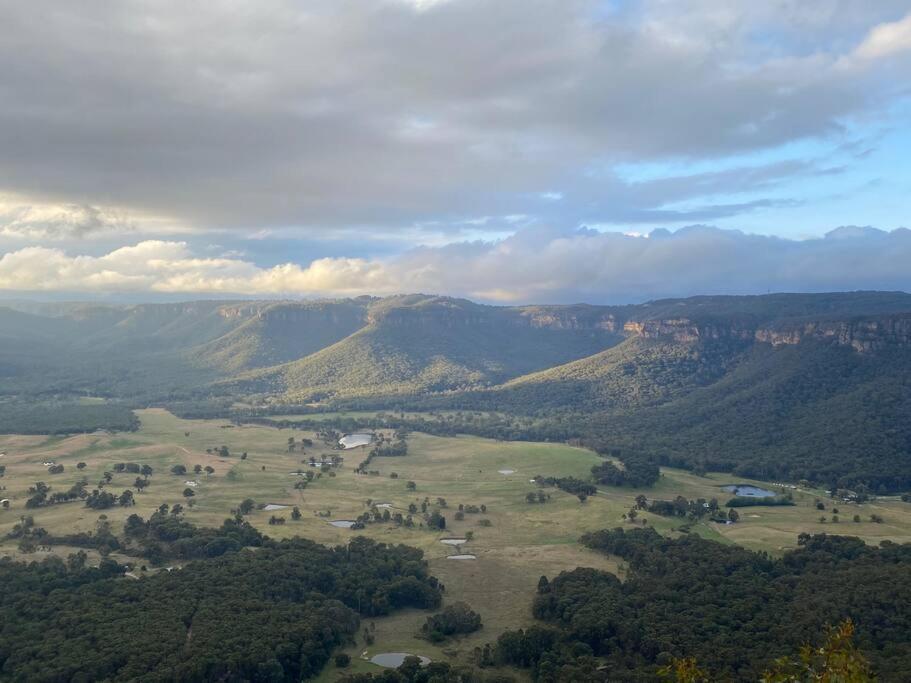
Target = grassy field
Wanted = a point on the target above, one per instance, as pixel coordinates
(522, 542)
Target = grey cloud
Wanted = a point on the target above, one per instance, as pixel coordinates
(339, 112)
(20, 221)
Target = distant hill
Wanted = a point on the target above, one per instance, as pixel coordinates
(431, 344)
(278, 334)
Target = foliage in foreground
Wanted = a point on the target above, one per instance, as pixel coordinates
(273, 614)
(732, 610)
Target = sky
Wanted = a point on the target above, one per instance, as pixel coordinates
(509, 151)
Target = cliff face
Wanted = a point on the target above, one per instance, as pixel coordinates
(685, 330)
(570, 318)
(863, 335)
(455, 314)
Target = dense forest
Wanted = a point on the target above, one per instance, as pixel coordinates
(63, 417)
(273, 614)
(731, 609)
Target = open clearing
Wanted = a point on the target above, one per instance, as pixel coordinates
(523, 541)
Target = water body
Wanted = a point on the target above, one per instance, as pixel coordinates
(393, 660)
(355, 440)
(453, 541)
(272, 506)
(343, 523)
(506, 471)
(461, 557)
(748, 491)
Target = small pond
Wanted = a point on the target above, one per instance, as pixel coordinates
(355, 440)
(343, 523)
(393, 660)
(748, 491)
(506, 471)
(461, 557)
(272, 506)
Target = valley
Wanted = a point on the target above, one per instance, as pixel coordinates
(520, 542)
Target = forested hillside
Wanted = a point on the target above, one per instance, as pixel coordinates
(271, 615)
(733, 610)
(415, 345)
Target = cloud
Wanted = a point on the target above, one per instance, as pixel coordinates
(886, 40)
(533, 265)
(25, 220)
(343, 113)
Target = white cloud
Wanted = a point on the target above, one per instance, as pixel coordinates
(886, 40)
(533, 265)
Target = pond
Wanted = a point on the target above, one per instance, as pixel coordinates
(453, 541)
(461, 557)
(506, 471)
(343, 523)
(748, 491)
(393, 660)
(355, 440)
(273, 506)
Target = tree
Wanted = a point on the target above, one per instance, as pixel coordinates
(140, 483)
(209, 470)
(197, 469)
(411, 486)
(179, 470)
(836, 661)
(684, 670)
(296, 513)
(146, 470)
(246, 506)
(80, 465)
(733, 515)
(126, 499)
(436, 521)
(188, 492)
(454, 619)
(342, 660)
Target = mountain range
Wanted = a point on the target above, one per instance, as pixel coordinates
(709, 382)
